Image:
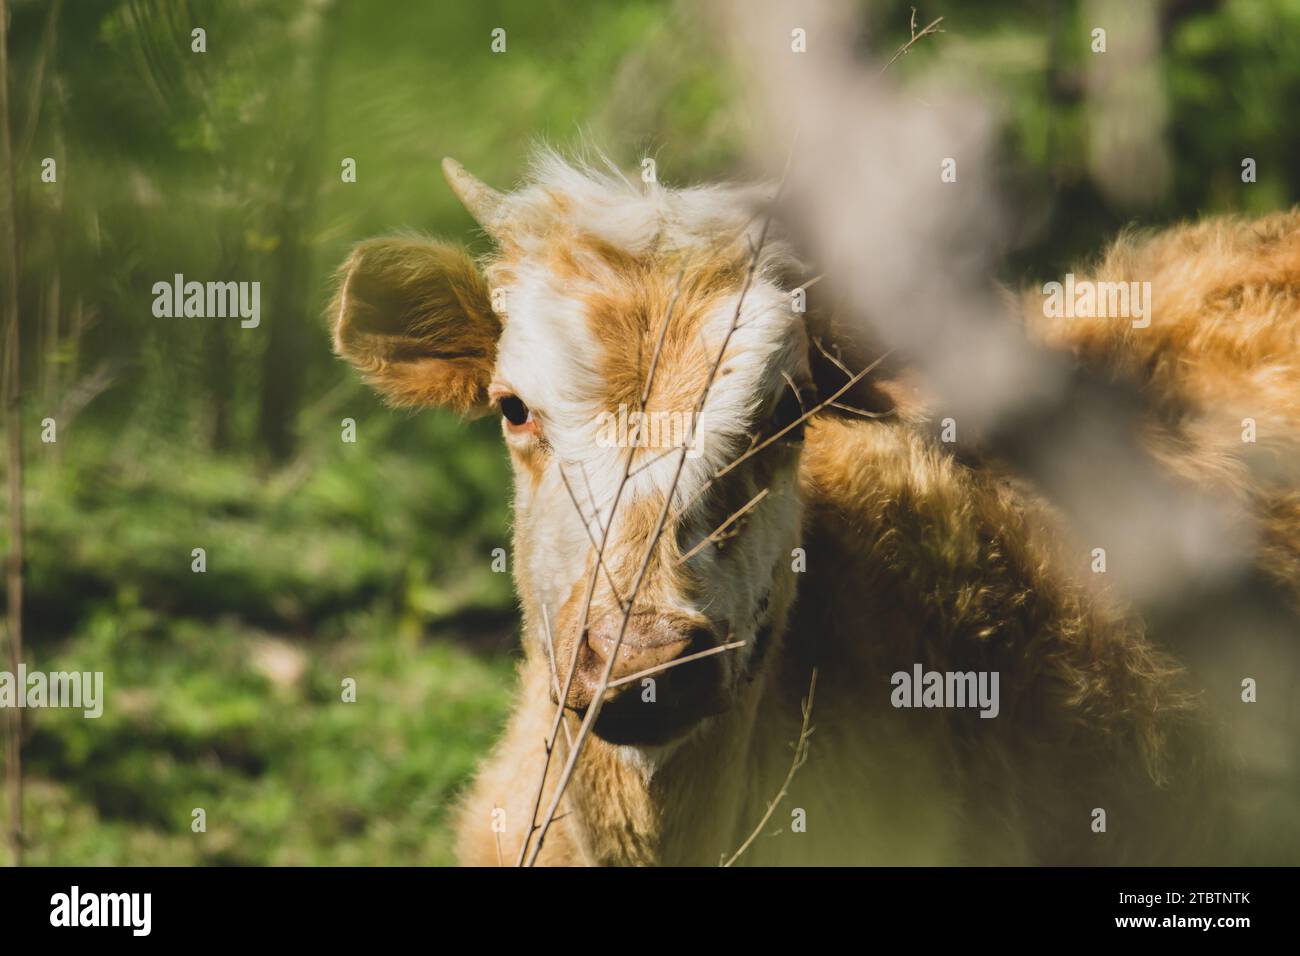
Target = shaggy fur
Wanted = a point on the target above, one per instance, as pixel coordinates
(1223, 347)
(912, 556)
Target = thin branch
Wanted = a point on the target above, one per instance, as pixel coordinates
(853, 409)
(832, 357)
(902, 50)
(650, 463)
(548, 748)
(500, 858)
(800, 756)
(524, 858)
(548, 743)
(555, 674)
(609, 578)
(591, 497)
(810, 283)
(593, 711)
(755, 449)
(718, 534)
(660, 668)
(801, 419)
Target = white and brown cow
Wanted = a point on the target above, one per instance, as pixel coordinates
(861, 549)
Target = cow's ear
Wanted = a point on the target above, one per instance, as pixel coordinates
(415, 317)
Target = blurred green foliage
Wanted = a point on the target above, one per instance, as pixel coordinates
(328, 560)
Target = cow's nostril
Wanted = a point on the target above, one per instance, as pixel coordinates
(634, 654)
(646, 646)
(634, 710)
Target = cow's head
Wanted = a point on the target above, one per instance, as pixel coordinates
(606, 300)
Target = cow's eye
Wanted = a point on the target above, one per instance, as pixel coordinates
(514, 410)
(788, 410)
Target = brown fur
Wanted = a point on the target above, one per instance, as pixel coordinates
(1223, 346)
(415, 317)
(914, 556)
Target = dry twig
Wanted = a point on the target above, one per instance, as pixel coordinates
(584, 729)
(776, 436)
(902, 50)
(660, 668)
(593, 711)
(800, 757)
(718, 534)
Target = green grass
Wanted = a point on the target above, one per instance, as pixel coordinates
(224, 689)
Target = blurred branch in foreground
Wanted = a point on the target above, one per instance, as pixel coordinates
(912, 253)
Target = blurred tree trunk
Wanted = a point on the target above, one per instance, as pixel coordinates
(290, 325)
(51, 366)
(14, 439)
(49, 316)
(281, 359)
(219, 374)
(218, 349)
(48, 367)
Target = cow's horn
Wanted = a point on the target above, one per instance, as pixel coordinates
(480, 200)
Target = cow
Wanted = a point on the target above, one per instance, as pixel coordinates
(747, 607)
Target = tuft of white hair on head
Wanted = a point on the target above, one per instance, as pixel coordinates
(598, 199)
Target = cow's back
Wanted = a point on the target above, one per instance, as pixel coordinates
(916, 559)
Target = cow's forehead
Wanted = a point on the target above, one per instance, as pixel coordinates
(599, 273)
(579, 351)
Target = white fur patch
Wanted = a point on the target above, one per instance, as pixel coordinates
(549, 357)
